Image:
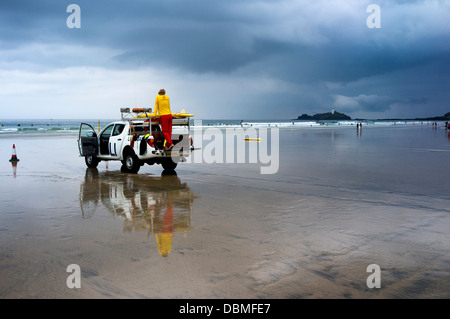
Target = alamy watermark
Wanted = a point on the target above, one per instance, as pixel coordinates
(374, 19)
(233, 145)
(73, 280)
(74, 19)
(374, 280)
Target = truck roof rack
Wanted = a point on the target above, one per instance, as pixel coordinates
(138, 117)
(129, 115)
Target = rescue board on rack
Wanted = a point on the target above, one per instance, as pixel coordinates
(174, 115)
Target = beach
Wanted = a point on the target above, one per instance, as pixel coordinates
(341, 199)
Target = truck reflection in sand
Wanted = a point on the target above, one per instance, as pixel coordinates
(160, 205)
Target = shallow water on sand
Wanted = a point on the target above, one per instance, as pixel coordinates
(340, 201)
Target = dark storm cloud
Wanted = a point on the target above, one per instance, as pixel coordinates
(23, 21)
(210, 36)
(198, 36)
(299, 42)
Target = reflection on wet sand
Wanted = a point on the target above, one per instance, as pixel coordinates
(159, 205)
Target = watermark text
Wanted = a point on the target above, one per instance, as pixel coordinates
(237, 145)
(374, 19)
(374, 280)
(74, 19)
(73, 280)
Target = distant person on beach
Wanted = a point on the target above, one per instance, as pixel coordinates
(162, 106)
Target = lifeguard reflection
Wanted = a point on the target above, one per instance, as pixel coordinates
(160, 205)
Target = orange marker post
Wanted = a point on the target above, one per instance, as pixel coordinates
(14, 155)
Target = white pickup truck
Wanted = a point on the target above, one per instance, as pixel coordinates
(135, 140)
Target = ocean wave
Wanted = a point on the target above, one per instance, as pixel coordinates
(71, 127)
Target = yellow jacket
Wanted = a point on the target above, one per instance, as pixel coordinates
(162, 105)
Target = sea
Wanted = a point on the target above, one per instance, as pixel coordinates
(48, 127)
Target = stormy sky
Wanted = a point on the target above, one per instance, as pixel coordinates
(225, 59)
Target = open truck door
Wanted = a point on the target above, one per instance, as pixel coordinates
(87, 140)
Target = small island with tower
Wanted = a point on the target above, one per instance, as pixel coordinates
(329, 116)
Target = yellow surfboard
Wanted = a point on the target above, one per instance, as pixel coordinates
(174, 115)
(252, 139)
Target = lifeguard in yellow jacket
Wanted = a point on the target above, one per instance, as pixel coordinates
(162, 107)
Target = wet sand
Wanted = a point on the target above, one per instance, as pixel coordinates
(340, 201)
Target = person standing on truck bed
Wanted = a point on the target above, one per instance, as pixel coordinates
(162, 106)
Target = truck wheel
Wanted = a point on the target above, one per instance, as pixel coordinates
(169, 164)
(91, 161)
(131, 163)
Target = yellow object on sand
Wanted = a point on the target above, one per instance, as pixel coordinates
(252, 139)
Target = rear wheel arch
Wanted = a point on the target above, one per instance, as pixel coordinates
(126, 150)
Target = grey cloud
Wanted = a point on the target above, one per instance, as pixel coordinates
(209, 36)
(374, 103)
(231, 38)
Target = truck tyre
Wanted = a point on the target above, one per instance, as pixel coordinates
(169, 165)
(91, 161)
(131, 163)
